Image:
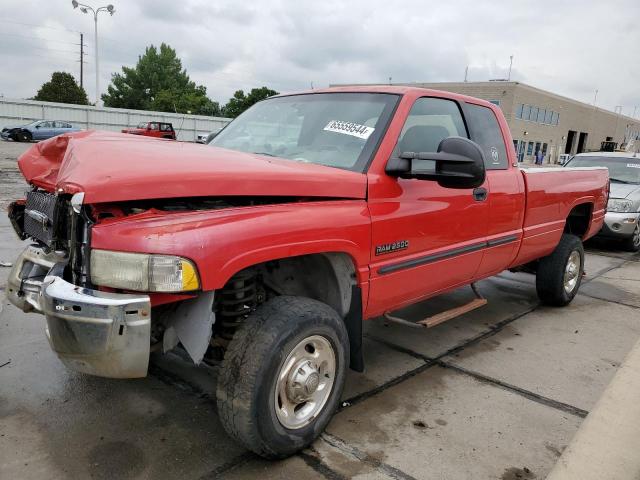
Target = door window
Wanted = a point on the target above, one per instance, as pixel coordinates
(430, 121)
(153, 126)
(486, 132)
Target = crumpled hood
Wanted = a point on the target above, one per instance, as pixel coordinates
(625, 190)
(112, 167)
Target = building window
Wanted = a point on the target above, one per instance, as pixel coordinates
(534, 114)
(519, 110)
(541, 115)
(547, 118)
(530, 148)
(525, 112)
(555, 118)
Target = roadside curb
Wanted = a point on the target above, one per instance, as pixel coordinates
(607, 444)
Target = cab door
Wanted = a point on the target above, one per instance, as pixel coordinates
(43, 130)
(154, 129)
(425, 238)
(505, 189)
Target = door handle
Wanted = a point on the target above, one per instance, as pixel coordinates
(480, 194)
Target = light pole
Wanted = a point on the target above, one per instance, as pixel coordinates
(85, 9)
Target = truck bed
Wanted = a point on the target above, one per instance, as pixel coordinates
(549, 202)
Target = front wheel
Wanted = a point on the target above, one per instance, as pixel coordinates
(23, 136)
(632, 244)
(283, 375)
(559, 274)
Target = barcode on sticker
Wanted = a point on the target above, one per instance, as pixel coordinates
(633, 165)
(348, 128)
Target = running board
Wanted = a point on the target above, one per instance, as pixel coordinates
(441, 317)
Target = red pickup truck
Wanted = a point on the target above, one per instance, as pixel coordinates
(153, 129)
(265, 251)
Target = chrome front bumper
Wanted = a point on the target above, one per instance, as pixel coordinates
(94, 332)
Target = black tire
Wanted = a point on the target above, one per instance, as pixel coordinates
(550, 277)
(23, 136)
(247, 382)
(632, 244)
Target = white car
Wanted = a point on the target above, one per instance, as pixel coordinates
(622, 220)
(207, 137)
(564, 158)
(202, 138)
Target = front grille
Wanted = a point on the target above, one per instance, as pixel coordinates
(50, 220)
(41, 216)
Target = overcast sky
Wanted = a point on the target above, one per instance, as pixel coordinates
(569, 47)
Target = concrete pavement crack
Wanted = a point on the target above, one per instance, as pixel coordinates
(226, 467)
(316, 464)
(429, 362)
(565, 407)
(549, 402)
(379, 465)
(617, 302)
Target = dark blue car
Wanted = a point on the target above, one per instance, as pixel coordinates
(38, 130)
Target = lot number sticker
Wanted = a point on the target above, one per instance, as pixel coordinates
(348, 128)
(633, 165)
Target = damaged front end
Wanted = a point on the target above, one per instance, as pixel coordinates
(95, 332)
(103, 332)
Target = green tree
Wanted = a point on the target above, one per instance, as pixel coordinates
(240, 102)
(62, 88)
(158, 82)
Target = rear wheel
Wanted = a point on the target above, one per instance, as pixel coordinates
(560, 273)
(632, 244)
(283, 375)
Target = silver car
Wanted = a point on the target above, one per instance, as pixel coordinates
(38, 130)
(623, 210)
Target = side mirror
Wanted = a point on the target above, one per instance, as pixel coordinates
(459, 163)
(38, 126)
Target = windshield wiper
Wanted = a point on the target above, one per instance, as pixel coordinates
(617, 180)
(264, 153)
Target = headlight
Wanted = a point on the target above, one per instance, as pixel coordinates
(619, 205)
(141, 272)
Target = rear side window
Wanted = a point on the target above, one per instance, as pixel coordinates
(430, 121)
(485, 131)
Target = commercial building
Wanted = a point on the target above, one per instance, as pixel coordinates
(550, 123)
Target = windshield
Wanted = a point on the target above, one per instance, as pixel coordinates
(142, 125)
(621, 169)
(334, 129)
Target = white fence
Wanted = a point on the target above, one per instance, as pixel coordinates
(18, 112)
